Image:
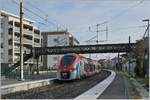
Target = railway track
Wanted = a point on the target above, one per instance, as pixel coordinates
(60, 90)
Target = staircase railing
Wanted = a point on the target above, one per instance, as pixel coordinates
(9, 70)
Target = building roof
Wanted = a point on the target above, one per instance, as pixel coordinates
(5, 13)
(56, 32)
(59, 33)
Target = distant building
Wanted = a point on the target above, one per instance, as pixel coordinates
(56, 38)
(10, 38)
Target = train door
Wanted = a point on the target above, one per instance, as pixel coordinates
(86, 68)
(77, 70)
(81, 67)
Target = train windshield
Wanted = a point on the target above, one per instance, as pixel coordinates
(67, 60)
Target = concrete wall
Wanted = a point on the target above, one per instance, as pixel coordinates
(4, 41)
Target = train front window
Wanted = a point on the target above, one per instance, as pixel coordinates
(67, 60)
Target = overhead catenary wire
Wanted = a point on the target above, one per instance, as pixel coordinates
(116, 29)
(119, 14)
(37, 21)
(113, 18)
(122, 28)
(45, 19)
(43, 12)
(124, 11)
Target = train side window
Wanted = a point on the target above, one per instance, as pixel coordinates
(86, 66)
(80, 63)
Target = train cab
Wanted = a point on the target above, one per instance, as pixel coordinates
(66, 69)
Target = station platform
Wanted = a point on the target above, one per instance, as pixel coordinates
(42, 75)
(97, 90)
(14, 85)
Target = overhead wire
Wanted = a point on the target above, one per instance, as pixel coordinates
(116, 16)
(37, 21)
(113, 18)
(117, 29)
(122, 12)
(122, 28)
(45, 19)
(46, 15)
(41, 11)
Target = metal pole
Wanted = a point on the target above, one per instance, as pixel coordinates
(118, 65)
(129, 53)
(21, 41)
(97, 33)
(37, 71)
(148, 28)
(106, 33)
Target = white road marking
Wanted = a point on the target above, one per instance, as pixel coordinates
(97, 90)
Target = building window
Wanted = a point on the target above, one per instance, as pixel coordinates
(37, 40)
(10, 22)
(10, 30)
(36, 31)
(2, 45)
(2, 35)
(10, 51)
(10, 60)
(55, 40)
(1, 25)
(2, 55)
(55, 58)
(10, 41)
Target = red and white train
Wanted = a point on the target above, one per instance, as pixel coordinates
(74, 66)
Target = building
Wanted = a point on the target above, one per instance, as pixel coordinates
(10, 39)
(58, 38)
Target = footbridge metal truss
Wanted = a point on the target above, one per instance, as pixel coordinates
(84, 49)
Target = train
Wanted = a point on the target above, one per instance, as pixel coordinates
(74, 66)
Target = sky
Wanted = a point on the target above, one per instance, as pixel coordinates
(123, 17)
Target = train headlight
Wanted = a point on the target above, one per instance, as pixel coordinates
(71, 70)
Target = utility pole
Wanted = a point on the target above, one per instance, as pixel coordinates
(118, 65)
(129, 53)
(21, 40)
(147, 25)
(148, 28)
(106, 33)
(97, 32)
